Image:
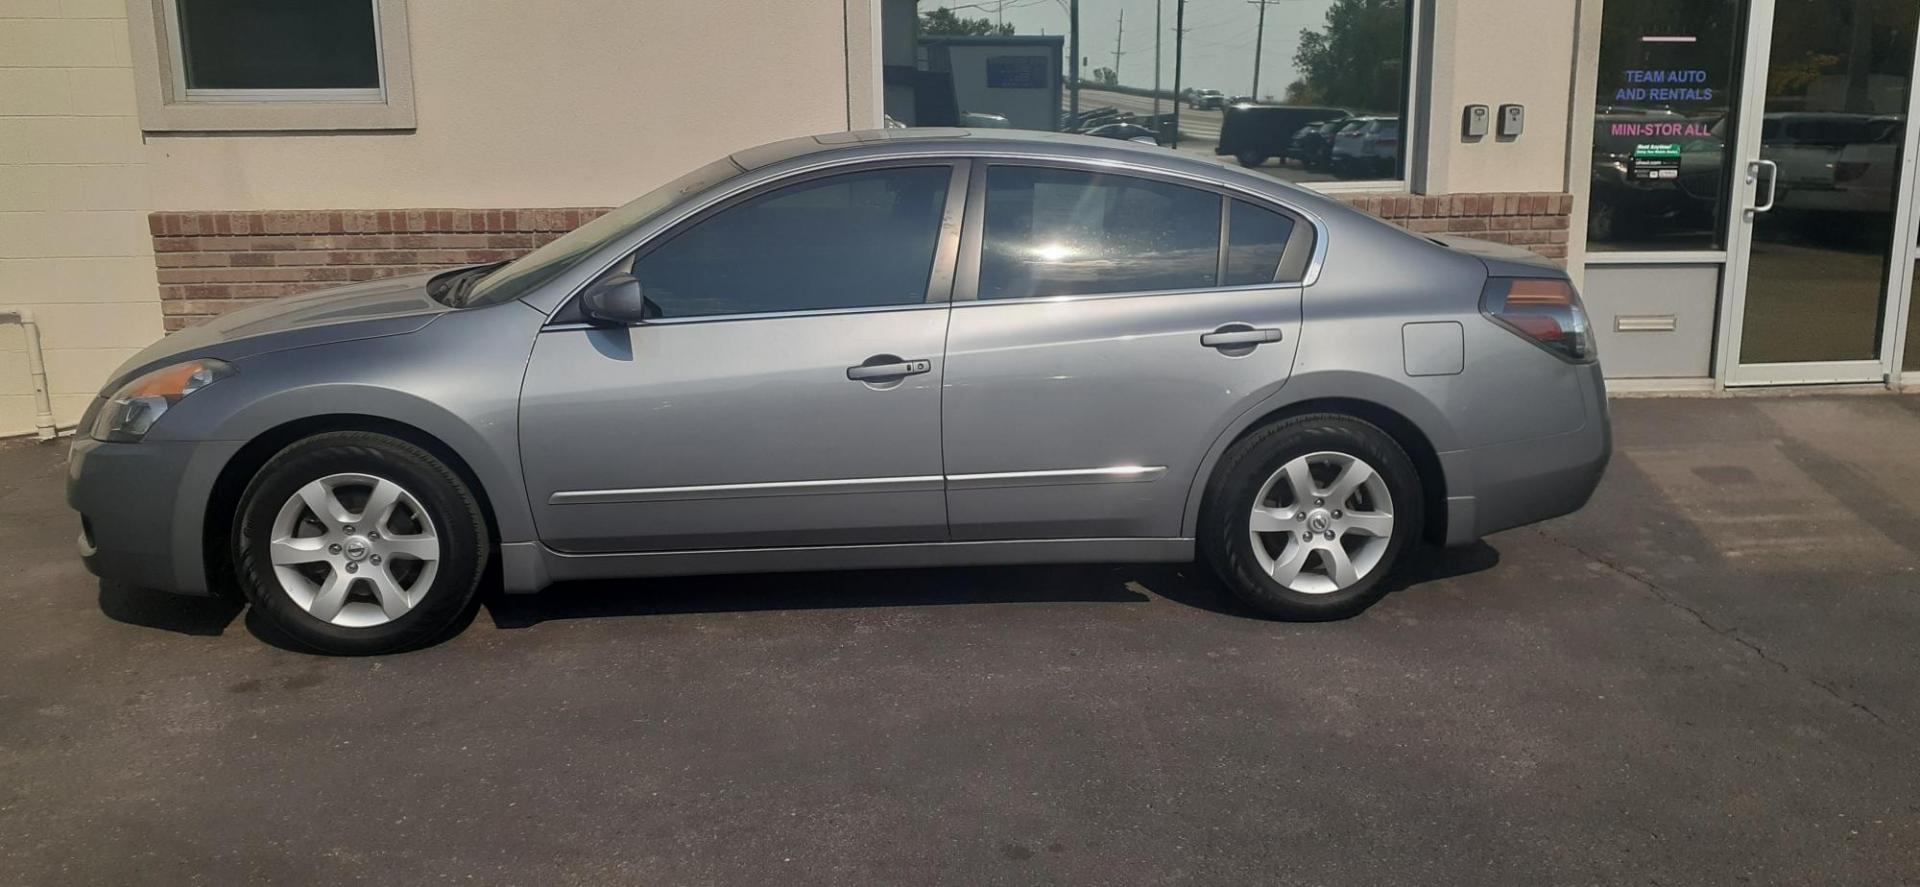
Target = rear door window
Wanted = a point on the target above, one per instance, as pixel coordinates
(1062, 232)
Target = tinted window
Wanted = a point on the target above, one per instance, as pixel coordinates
(1256, 239)
(312, 44)
(1053, 232)
(857, 240)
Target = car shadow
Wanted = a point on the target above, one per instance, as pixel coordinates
(812, 591)
(1189, 584)
(177, 613)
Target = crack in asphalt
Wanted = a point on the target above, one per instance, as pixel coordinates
(1661, 594)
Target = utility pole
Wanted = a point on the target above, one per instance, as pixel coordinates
(1073, 62)
(1118, 30)
(1259, 41)
(1179, 38)
(1157, 28)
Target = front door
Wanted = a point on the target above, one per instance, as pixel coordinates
(786, 391)
(1100, 339)
(1826, 147)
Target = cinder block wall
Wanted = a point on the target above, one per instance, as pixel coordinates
(74, 196)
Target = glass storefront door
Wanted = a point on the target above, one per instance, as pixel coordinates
(1824, 164)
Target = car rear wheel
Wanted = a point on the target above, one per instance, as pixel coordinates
(1308, 517)
(358, 543)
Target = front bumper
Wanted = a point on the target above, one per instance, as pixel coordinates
(143, 509)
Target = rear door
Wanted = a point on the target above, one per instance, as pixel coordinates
(1101, 338)
(785, 390)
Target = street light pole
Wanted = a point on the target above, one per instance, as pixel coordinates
(1179, 40)
(1073, 63)
(1259, 42)
(1157, 26)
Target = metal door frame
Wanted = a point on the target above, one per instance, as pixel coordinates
(1746, 183)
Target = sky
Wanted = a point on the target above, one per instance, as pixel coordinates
(1220, 37)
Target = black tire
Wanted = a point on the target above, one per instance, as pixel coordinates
(1227, 545)
(1250, 159)
(448, 501)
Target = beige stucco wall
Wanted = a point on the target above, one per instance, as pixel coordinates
(74, 194)
(1496, 52)
(522, 104)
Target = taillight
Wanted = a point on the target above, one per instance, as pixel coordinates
(1544, 311)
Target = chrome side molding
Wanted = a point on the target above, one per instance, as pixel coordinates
(1113, 474)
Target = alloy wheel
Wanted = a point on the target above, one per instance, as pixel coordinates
(354, 550)
(1322, 522)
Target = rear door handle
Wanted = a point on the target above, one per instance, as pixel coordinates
(891, 368)
(1227, 338)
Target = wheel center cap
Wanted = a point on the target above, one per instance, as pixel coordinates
(357, 548)
(1318, 520)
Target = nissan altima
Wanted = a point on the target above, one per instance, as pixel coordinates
(903, 348)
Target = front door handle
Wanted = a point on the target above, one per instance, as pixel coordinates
(1773, 184)
(1229, 337)
(886, 366)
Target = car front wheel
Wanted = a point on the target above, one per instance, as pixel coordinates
(1308, 517)
(359, 543)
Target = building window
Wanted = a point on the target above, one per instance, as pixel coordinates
(1310, 91)
(272, 64)
(245, 50)
(1662, 120)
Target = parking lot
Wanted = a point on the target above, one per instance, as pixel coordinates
(1707, 676)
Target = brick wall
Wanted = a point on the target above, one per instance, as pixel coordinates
(210, 263)
(1537, 222)
(213, 262)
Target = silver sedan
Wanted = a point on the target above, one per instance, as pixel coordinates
(877, 349)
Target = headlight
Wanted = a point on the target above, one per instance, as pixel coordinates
(132, 410)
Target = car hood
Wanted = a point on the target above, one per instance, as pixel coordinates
(387, 307)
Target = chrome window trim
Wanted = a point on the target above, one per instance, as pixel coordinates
(749, 181)
(1142, 294)
(1111, 474)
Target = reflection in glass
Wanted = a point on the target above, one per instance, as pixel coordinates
(1271, 84)
(1661, 123)
(857, 240)
(1056, 232)
(1256, 241)
(1837, 82)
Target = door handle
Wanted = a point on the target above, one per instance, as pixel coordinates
(893, 368)
(1773, 183)
(1228, 338)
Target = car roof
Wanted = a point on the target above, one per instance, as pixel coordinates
(880, 144)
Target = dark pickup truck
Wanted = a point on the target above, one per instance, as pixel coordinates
(1253, 134)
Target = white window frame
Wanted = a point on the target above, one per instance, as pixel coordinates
(177, 63)
(166, 103)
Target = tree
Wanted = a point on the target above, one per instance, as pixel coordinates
(1106, 76)
(945, 23)
(1357, 60)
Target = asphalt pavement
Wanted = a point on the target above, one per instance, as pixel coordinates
(1706, 677)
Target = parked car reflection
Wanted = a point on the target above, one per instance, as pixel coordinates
(1630, 202)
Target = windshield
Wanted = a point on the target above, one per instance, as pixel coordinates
(528, 272)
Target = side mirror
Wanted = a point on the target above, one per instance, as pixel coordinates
(615, 300)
